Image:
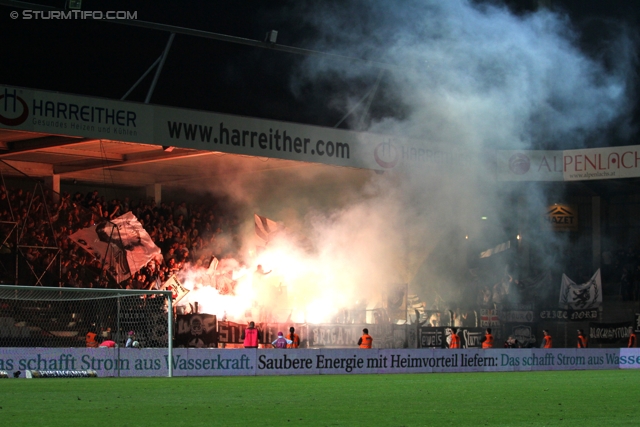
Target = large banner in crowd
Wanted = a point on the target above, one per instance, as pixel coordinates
(581, 296)
(122, 244)
(609, 333)
(131, 362)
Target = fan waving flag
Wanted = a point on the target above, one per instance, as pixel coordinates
(265, 230)
(178, 291)
(580, 297)
(121, 244)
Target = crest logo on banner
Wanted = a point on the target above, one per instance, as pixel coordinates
(489, 318)
(580, 297)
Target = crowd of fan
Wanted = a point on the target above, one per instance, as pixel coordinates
(623, 267)
(187, 234)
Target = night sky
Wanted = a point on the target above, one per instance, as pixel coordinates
(105, 59)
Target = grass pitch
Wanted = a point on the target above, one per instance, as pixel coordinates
(567, 398)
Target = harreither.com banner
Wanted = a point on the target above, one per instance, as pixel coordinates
(97, 118)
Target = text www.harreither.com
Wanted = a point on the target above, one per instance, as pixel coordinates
(275, 140)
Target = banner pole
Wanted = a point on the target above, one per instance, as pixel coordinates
(170, 334)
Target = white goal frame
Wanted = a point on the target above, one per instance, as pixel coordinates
(42, 293)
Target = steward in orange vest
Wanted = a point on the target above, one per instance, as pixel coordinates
(293, 337)
(547, 342)
(488, 339)
(91, 340)
(632, 338)
(365, 340)
(582, 339)
(455, 339)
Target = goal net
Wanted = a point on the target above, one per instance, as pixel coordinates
(32, 316)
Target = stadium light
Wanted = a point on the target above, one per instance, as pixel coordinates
(271, 37)
(74, 4)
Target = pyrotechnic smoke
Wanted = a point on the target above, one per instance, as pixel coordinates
(468, 78)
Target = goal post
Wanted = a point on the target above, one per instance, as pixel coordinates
(34, 316)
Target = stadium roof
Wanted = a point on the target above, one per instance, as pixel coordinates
(118, 162)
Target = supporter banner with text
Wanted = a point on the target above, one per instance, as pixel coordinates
(568, 315)
(439, 337)
(130, 362)
(609, 333)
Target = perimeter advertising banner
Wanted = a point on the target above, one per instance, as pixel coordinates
(292, 141)
(602, 163)
(130, 362)
(71, 115)
(96, 118)
(569, 165)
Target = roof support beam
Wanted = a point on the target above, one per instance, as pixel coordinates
(30, 145)
(133, 160)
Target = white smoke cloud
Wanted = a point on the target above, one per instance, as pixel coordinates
(473, 73)
(467, 76)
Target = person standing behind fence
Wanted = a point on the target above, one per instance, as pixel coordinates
(632, 338)
(582, 339)
(281, 341)
(91, 340)
(547, 341)
(487, 341)
(365, 340)
(455, 339)
(250, 336)
(295, 339)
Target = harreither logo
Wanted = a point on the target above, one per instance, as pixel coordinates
(386, 155)
(13, 114)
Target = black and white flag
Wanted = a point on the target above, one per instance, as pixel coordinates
(580, 297)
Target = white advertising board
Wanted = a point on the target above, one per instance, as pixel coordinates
(130, 362)
(95, 118)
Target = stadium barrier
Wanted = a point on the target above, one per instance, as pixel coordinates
(149, 362)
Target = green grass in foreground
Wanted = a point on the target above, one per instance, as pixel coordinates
(569, 398)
